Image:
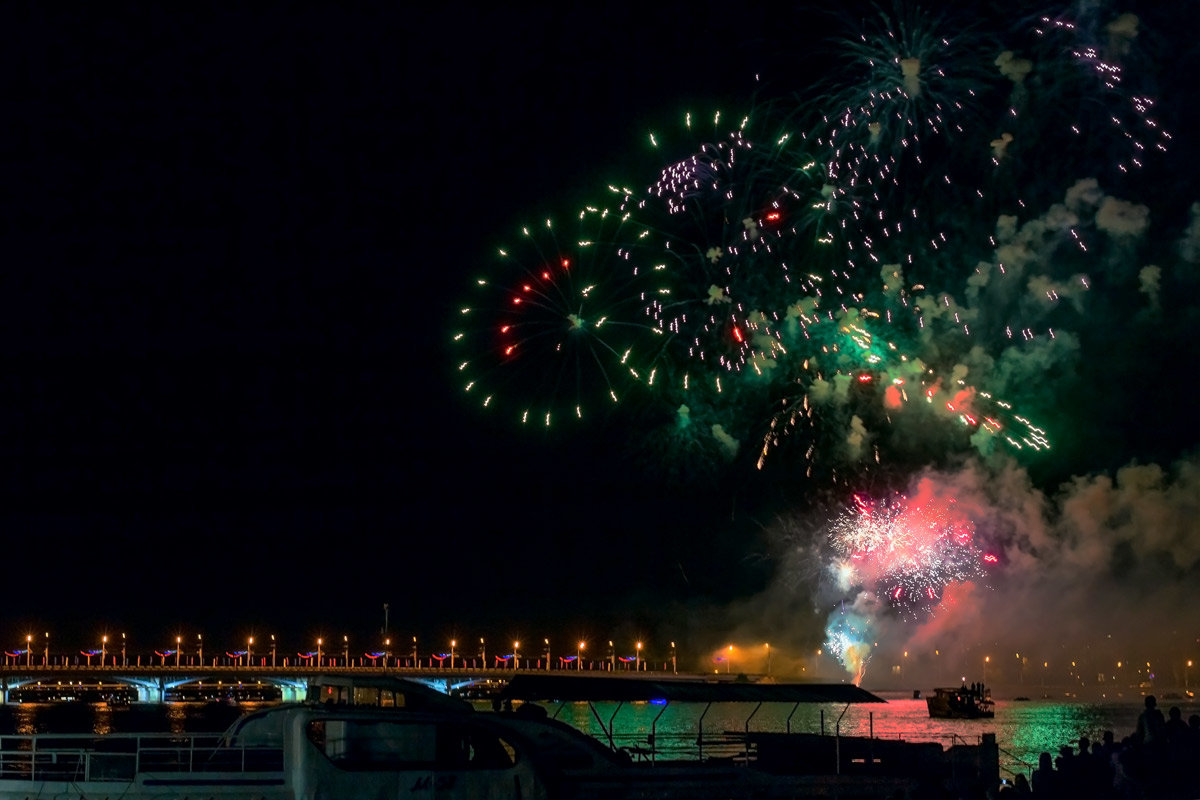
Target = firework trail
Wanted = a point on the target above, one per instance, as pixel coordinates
(715, 228)
(557, 331)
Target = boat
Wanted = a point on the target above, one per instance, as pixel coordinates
(384, 737)
(965, 702)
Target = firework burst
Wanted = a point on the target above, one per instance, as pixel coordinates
(905, 551)
(557, 332)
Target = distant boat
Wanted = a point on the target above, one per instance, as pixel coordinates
(961, 703)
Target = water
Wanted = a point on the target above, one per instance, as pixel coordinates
(1023, 729)
(101, 718)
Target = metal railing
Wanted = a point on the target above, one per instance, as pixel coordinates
(121, 757)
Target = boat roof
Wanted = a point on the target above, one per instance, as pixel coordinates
(596, 688)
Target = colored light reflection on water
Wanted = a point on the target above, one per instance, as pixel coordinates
(1022, 729)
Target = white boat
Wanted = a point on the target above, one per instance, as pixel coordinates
(385, 739)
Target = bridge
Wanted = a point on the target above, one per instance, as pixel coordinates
(153, 682)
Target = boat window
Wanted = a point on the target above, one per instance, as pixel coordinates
(375, 745)
(263, 731)
(367, 745)
(366, 696)
(466, 747)
(335, 695)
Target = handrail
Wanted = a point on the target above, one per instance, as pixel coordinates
(73, 757)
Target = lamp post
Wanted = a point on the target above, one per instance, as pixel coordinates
(516, 656)
(729, 659)
(1186, 668)
(103, 649)
(612, 657)
(272, 650)
(453, 642)
(178, 643)
(29, 649)
(637, 657)
(986, 660)
(414, 652)
(547, 641)
(346, 649)
(387, 652)
(674, 665)
(579, 656)
(483, 652)
(320, 642)
(200, 648)
(46, 655)
(249, 651)
(124, 660)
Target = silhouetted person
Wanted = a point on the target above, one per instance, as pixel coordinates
(1044, 778)
(1176, 737)
(1175, 729)
(1150, 724)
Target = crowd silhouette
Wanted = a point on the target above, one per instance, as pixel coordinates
(1160, 760)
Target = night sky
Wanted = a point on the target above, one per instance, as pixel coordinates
(234, 245)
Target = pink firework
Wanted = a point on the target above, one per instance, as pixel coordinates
(906, 550)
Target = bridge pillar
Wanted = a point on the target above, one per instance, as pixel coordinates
(290, 693)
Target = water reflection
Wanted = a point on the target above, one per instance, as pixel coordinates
(1023, 729)
(102, 718)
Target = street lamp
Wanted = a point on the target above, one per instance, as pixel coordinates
(637, 658)
(200, 648)
(272, 650)
(178, 642)
(453, 643)
(516, 655)
(249, 649)
(1186, 668)
(674, 665)
(729, 660)
(612, 656)
(320, 642)
(387, 652)
(986, 660)
(29, 649)
(547, 641)
(346, 649)
(46, 656)
(579, 656)
(415, 664)
(124, 660)
(103, 649)
(483, 652)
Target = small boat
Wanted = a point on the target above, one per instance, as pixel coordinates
(965, 702)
